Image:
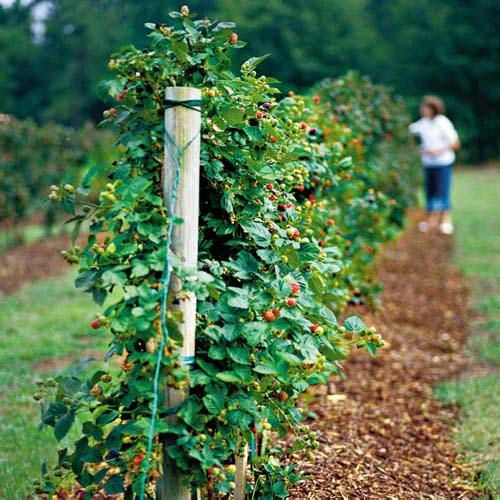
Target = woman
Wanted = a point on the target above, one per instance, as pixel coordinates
(439, 141)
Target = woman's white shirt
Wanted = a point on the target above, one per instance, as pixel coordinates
(436, 133)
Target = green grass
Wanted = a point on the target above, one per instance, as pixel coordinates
(45, 321)
(476, 199)
(479, 432)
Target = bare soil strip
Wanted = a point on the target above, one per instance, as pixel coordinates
(389, 438)
(27, 263)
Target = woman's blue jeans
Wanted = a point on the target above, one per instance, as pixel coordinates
(437, 187)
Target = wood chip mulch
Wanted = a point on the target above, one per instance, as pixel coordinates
(381, 433)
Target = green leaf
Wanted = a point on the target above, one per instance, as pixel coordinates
(114, 485)
(233, 116)
(86, 279)
(316, 283)
(180, 49)
(90, 174)
(75, 232)
(254, 133)
(371, 348)
(138, 185)
(107, 417)
(53, 412)
(244, 373)
(214, 402)
(290, 358)
(113, 278)
(255, 332)
(354, 324)
(99, 296)
(63, 425)
(224, 25)
(227, 203)
(279, 489)
(253, 62)
(140, 269)
(239, 354)
(309, 252)
(239, 301)
(190, 413)
(265, 369)
(244, 265)
(217, 352)
(229, 376)
(258, 232)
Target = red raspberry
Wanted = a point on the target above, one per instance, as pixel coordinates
(269, 316)
(282, 396)
(95, 324)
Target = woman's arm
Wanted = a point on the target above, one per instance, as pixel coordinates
(450, 134)
(455, 145)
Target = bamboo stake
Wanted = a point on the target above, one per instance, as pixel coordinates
(182, 144)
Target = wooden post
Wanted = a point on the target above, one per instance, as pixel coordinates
(240, 476)
(182, 149)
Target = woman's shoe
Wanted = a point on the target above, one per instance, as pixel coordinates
(446, 228)
(423, 227)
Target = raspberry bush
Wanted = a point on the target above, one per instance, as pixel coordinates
(33, 156)
(276, 266)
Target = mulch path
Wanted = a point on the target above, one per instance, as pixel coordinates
(27, 263)
(389, 438)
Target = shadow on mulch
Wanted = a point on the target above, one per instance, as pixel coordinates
(389, 438)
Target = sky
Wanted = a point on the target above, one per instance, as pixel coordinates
(39, 14)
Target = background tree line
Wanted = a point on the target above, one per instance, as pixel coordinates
(447, 47)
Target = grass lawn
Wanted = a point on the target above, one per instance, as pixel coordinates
(41, 324)
(476, 199)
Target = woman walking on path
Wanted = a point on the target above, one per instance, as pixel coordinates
(438, 141)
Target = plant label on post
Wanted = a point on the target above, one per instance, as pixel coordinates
(181, 178)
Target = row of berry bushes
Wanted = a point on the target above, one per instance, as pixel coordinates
(34, 156)
(297, 194)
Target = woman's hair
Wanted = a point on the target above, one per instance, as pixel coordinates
(435, 103)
